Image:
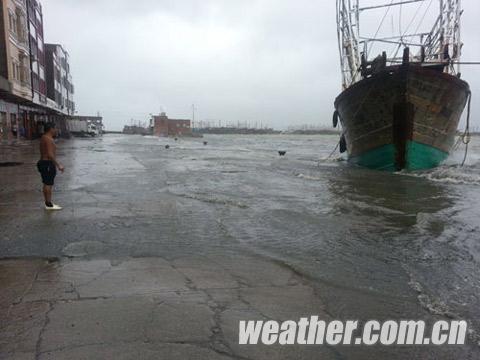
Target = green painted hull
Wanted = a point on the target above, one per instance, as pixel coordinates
(418, 157)
(405, 117)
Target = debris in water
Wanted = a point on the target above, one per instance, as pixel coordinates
(282, 153)
(167, 147)
(205, 143)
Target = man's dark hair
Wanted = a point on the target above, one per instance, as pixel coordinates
(48, 126)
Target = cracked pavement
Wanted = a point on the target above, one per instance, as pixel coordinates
(157, 309)
(159, 254)
(119, 275)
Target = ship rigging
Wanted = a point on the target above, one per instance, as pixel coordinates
(403, 95)
(440, 45)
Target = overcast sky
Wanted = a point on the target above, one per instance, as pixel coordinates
(269, 61)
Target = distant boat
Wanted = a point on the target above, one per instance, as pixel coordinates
(400, 111)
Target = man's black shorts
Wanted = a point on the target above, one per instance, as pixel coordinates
(48, 171)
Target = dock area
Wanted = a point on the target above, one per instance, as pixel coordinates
(160, 253)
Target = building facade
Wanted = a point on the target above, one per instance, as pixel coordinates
(163, 126)
(15, 53)
(24, 102)
(37, 52)
(15, 84)
(59, 79)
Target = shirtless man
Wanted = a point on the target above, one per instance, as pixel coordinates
(48, 164)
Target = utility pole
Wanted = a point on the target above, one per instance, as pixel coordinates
(193, 115)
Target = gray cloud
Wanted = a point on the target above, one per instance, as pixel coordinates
(274, 61)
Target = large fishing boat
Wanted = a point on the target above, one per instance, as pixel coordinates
(400, 107)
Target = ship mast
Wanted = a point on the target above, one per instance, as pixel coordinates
(348, 40)
(441, 45)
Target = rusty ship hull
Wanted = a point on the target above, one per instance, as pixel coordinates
(404, 117)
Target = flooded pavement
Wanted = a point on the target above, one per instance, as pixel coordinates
(354, 243)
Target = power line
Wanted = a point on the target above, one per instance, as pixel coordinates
(379, 27)
(424, 15)
(395, 52)
(441, 63)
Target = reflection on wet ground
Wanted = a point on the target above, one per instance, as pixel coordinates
(377, 245)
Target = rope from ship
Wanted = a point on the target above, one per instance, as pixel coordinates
(333, 151)
(379, 28)
(402, 35)
(466, 135)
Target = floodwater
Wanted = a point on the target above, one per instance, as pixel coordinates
(379, 245)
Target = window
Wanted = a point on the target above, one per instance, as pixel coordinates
(35, 82)
(40, 44)
(33, 31)
(12, 21)
(20, 23)
(34, 51)
(42, 73)
(14, 70)
(24, 75)
(3, 121)
(35, 66)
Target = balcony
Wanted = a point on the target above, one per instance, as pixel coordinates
(21, 3)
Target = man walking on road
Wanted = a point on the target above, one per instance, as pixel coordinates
(48, 164)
